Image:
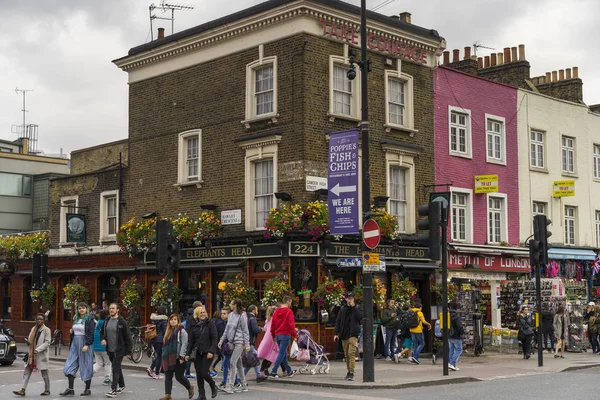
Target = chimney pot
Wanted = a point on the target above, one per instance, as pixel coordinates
(521, 52)
(568, 73)
(446, 57)
(506, 55)
(561, 74)
(161, 33)
(455, 55)
(548, 78)
(493, 59)
(479, 62)
(467, 52)
(500, 58)
(575, 72)
(513, 50)
(486, 61)
(405, 17)
(554, 76)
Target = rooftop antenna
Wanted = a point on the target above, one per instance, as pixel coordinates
(476, 46)
(26, 131)
(164, 7)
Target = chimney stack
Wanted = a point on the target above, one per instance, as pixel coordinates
(513, 51)
(575, 72)
(161, 33)
(467, 52)
(405, 17)
(561, 74)
(487, 61)
(521, 52)
(507, 55)
(568, 73)
(479, 62)
(493, 59)
(554, 76)
(500, 58)
(446, 57)
(455, 55)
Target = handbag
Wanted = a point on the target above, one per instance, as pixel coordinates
(303, 355)
(228, 349)
(249, 359)
(150, 332)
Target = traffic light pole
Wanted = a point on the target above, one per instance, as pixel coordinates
(538, 295)
(368, 356)
(445, 319)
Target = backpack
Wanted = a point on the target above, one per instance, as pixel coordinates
(412, 319)
(401, 321)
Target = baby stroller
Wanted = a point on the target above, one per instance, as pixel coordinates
(312, 353)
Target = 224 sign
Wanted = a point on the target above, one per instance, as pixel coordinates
(304, 249)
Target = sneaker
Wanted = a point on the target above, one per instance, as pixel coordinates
(158, 376)
(112, 394)
(416, 361)
(229, 389)
(274, 376)
(150, 372)
(388, 359)
(244, 387)
(350, 377)
(261, 379)
(456, 368)
(222, 387)
(107, 382)
(452, 367)
(291, 373)
(433, 359)
(237, 388)
(396, 358)
(191, 377)
(121, 389)
(347, 375)
(213, 374)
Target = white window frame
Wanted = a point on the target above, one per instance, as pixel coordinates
(469, 214)
(535, 146)
(63, 217)
(597, 214)
(104, 236)
(182, 169)
(568, 220)
(536, 206)
(408, 114)
(468, 134)
(565, 151)
(251, 68)
(258, 150)
(397, 156)
(596, 158)
(492, 134)
(355, 109)
(503, 217)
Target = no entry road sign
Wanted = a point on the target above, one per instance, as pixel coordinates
(371, 234)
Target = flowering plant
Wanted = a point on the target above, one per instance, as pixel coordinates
(184, 229)
(317, 214)
(132, 292)
(237, 288)
(330, 293)
(388, 224)
(208, 227)
(136, 236)
(49, 295)
(35, 295)
(275, 290)
(379, 292)
(13, 247)
(285, 219)
(74, 293)
(160, 294)
(403, 290)
(437, 291)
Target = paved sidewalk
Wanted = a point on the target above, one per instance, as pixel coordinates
(489, 366)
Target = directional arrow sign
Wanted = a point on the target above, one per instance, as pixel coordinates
(337, 189)
(343, 181)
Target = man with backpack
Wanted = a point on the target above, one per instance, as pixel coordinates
(404, 338)
(454, 337)
(415, 321)
(388, 319)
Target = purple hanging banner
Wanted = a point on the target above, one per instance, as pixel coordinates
(343, 183)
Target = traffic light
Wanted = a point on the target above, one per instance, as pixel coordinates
(167, 248)
(540, 226)
(432, 212)
(173, 254)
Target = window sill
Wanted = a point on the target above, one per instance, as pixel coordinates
(462, 155)
(274, 117)
(109, 239)
(333, 116)
(181, 185)
(391, 127)
(596, 180)
(541, 170)
(494, 161)
(570, 174)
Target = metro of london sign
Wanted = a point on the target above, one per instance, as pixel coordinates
(394, 48)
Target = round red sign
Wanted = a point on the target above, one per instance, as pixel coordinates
(371, 234)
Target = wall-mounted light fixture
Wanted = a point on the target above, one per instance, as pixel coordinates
(208, 207)
(149, 215)
(321, 194)
(380, 201)
(283, 196)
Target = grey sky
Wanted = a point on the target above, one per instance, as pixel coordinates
(62, 49)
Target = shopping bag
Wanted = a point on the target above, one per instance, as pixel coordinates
(294, 350)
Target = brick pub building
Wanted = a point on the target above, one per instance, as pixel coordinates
(245, 99)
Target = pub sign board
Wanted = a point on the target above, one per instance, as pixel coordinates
(76, 228)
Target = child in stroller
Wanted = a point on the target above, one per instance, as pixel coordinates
(312, 353)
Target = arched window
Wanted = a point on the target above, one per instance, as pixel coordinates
(6, 291)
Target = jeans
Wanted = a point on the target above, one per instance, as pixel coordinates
(202, 365)
(102, 361)
(226, 361)
(418, 343)
(455, 351)
(117, 372)
(594, 341)
(549, 340)
(235, 366)
(390, 338)
(256, 369)
(527, 345)
(156, 361)
(283, 341)
(178, 371)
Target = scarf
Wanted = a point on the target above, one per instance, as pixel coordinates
(33, 336)
(169, 351)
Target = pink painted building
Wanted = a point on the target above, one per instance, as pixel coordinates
(475, 123)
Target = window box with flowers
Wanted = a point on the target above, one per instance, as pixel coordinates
(160, 294)
(237, 288)
(379, 292)
(403, 291)
(285, 219)
(275, 290)
(132, 293)
(317, 216)
(74, 293)
(137, 236)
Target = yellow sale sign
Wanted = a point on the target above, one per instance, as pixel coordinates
(486, 183)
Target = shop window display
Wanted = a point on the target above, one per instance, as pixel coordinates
(304, 283)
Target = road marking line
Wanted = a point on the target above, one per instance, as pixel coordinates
(323, 394)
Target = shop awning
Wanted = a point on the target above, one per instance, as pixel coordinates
(490, 250)
(571, 254)
(413, 266)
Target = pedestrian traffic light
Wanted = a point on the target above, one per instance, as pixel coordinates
(432, 212)
(540, 226)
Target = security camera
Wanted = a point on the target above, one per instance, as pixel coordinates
(351, 74)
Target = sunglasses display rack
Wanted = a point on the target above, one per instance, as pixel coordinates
(464, 300)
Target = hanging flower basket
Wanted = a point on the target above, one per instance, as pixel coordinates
(137, 236)
(275, 290)
(237, 288)
(330, 294)
(285, 219)
(208, 227)
(49, 295)
(388, 224)
(160, 294)
(35, 295)
(132, 293)
(13, 247)
(379, 292)
(403, 291)
(74, 293)
(437, 292)
(317, 215)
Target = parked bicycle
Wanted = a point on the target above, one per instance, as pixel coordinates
(140, 345)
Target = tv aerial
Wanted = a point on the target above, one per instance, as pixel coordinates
(165, 7)
(476, 46)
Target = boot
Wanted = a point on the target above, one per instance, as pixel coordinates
(19, 393)
(191, 392)
(69, 391)
(214, 390)
(167, 397)
(87, 390)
